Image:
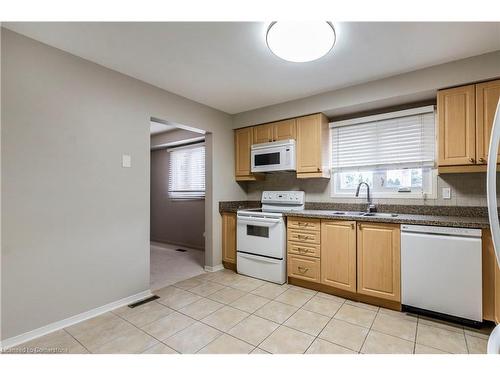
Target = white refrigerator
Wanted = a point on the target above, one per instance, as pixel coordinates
(491, 183)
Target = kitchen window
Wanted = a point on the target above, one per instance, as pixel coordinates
(394, 153)
(187, 172)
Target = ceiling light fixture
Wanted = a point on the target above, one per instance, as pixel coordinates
(300, 41)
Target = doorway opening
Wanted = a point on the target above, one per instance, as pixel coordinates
(177, 203)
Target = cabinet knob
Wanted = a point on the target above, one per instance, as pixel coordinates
(319, 169)
(352, 226)
(481, 160)
(471, 160)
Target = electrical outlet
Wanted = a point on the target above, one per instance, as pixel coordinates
(446, 193)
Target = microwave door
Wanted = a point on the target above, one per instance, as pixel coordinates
(268, 158)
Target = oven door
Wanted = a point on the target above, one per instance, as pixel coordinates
(263, 236)
(272, 159)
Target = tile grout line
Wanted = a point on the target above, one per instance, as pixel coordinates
(322, 329)
(369, 330)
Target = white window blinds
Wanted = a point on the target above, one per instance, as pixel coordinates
(186, 179)
(403, 139)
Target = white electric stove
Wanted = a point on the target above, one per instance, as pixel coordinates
(261, 236)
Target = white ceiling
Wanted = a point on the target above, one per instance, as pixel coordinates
(229, 67)
(157, 128)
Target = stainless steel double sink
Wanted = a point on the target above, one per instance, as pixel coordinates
(364, 214)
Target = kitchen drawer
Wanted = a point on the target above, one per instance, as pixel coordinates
(309, 250)
(304, 268)
(303, 236)
(303, 223)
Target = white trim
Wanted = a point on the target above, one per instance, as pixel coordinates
(214, 268)
(383, 116)
(177, 143)
(52, 327)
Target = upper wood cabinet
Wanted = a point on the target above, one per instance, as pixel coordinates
(312, 145)
(487, 95)
(263, 133)
(283, 130)
(465, 117)
(243, 139)
(312, 151)
(229, 237)
(457, 133)
(379, 260)
(275, 131)
(338, 254)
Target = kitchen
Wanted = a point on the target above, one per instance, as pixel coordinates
(346, 204)
(367, 252)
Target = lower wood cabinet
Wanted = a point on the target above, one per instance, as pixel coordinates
(229, 238)
(338, 254)
(379, 260)
(305, 268)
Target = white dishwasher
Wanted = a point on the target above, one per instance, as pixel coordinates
(441, 272)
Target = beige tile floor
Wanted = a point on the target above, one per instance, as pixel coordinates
(224, 312)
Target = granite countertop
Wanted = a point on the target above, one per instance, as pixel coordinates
(445, 221)
(462, 217)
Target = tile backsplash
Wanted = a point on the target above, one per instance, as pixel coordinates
(466, 190)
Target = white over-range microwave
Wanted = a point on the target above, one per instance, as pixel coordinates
(273, 156)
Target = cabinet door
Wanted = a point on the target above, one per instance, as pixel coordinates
(243, 143)
(497, 294)
(263, 133)
(338, 254)
(489, 264)
(379, 265)
(309, 144)
(457, 130)
(487, 95)
(283, 130)
(229, 237)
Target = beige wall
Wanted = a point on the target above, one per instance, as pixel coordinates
(179, 222)
(404, 88)
(75, 223)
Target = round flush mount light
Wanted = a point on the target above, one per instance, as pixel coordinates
(300, 41)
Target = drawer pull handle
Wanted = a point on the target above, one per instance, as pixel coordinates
(300, 237)
(302, 250)
(302, 269)
(303, 224)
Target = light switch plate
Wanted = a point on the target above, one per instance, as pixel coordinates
(126, 161)
(446, 193)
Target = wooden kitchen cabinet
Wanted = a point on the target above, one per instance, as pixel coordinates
(465, 118)
(275, 131)
(497, 294)
(457, 131)
(263, 133)
(338, 254)
(312, 146)
(487, 95)
(229, 239)
(283, 130)
(379, 260)
(243, 139)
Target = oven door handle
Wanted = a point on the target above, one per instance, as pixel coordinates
(257, 220)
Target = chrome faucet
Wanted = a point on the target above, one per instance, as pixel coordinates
(371, 206)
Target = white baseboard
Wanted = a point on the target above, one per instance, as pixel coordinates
(214, 268)
(52, 327)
